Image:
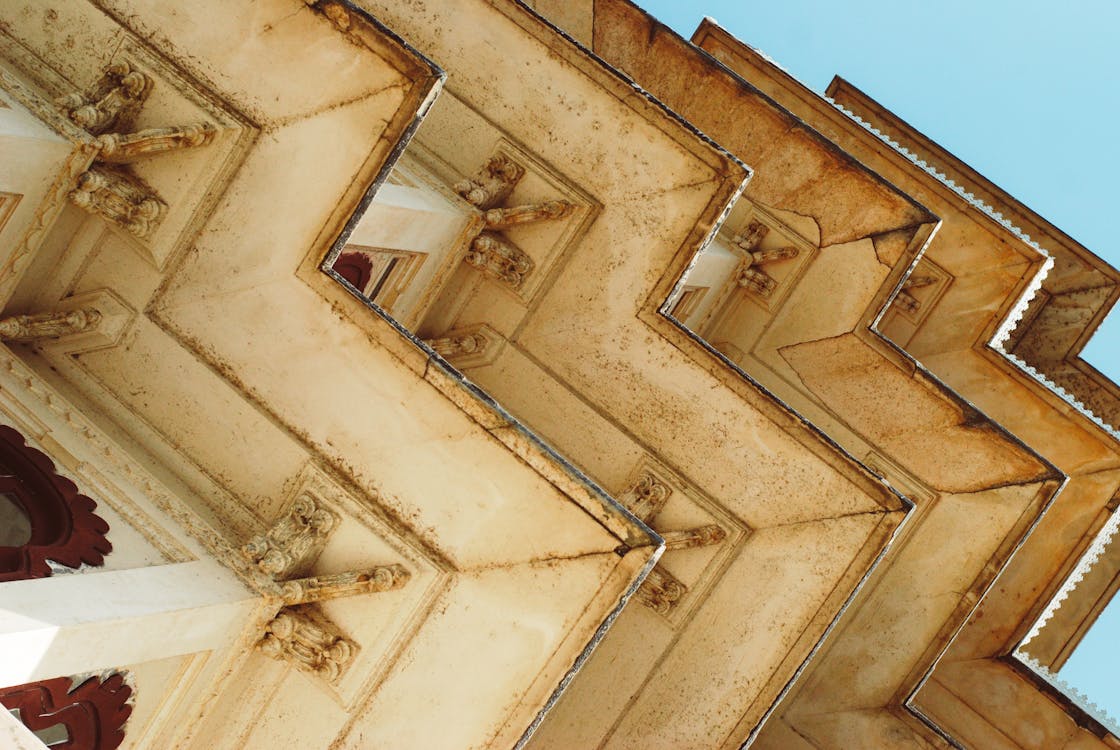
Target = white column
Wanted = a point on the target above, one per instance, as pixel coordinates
(68, 624)
(15, 736)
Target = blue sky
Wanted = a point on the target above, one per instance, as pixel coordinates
(1024, 91)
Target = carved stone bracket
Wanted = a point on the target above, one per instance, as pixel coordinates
(293, 543)
(119, 148)
(457, 345)
(661, 591)
(647, 497)
(750, 276)
(493, 183)
(308, 641)
(117, 194)
(119, 197)
(752, 237)
(349, 583)
(113, 103)
(48, 325)
(303, 635)
(496, 256)
(471, 346)
(500, 218)
(905, 300)
(701, 536)
(491, 251)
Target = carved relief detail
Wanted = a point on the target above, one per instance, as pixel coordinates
(701, 536)
(293, 543)
(308, 641)
(496, 256)
(118, 148)
(349, 583)
(117, 194)
(493, 183)
(647, 497)
(661, 590)
(456, 345)
(905, 300)
(113, 103)
(750, 276)
(119, 197)
(492, 252)
(499, 218)
(920, 292)
(48, 325)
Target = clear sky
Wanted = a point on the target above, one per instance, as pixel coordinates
(1024, 91)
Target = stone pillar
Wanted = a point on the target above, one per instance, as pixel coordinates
(86, 622)
(15, 736)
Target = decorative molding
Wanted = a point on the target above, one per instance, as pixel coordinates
(49, 325)
(292, 544)
(499, 258)
(492, 184)
(116, 469)
(93, 712)
(1078, 698)
(8, 203)
(49, 207)
(309, 641)
(349, 583)
(119, 197)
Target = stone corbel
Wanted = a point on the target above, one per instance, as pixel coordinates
(646, 497)
(294, 542)
(661, 591)
(701, 536)
(349, 583)
(457, 345)
(750, 275)
(50, 325)
(119, 197)
(113, 103)
(115, 193)
(470, 346)
(500, 218)
(119, 148)
(493, 183)
(496, 256)
(309, 641)
(907, 301)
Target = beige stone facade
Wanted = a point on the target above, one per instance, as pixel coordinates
(479, 373)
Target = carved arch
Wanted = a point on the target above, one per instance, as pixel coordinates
(355, 268)
(64, 526)
(93, 713)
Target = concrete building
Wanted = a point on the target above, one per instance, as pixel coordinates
(483, 373)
